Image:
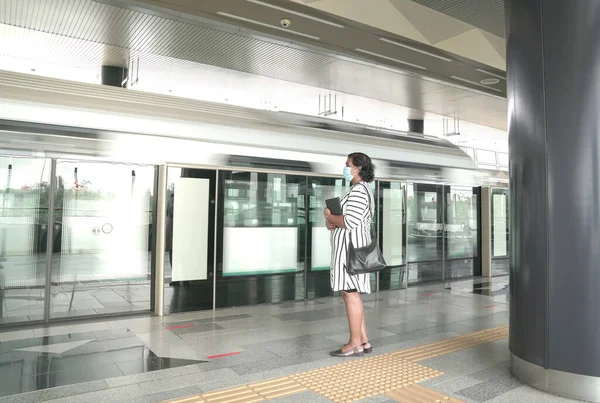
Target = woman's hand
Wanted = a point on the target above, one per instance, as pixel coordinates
(326, 213)
(330, 226)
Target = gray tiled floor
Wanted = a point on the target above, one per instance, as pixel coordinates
(276, 340)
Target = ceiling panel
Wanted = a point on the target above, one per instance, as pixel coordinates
(487, 15)
(85, 34)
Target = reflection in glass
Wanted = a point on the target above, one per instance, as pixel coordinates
(392, 223)
(392, 234)
(262, 218)
(425, 232)
(24, 189)
(262, 238)
(102, 259)
(322, 189)
(461, 223)
(461, 231)
(500, 231)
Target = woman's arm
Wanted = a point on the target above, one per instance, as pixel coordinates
(336, 220)
(356, 208)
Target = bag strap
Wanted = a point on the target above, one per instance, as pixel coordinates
(369, 196)
(372, 226)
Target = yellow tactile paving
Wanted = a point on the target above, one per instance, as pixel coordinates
(277, 388)
(419, 394)
(455, 344)
(356, 380)
(394, 374)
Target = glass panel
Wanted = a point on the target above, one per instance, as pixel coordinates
(425, 232)
(318, 284)
(102, 250)
(262, 233)
(392, 234)
(392, 224)
(323, 189)
(503, 159)
(190, 228)
(486, 157)
(500, 231)
(461, 231)
(24, 191)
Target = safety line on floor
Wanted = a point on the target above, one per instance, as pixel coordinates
(395, 375)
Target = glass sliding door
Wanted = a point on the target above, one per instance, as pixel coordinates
(190, 242)
(500, 232)
(24, 192)
(102, 238)
(461, 232)
(425, 220)
(318, 240)
(392, 234)
(262, 237)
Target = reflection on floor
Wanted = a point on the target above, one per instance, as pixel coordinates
(46, 362)
(490, 288)
(75, 299)
(245, 345)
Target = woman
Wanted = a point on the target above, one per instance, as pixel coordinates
(355, 224)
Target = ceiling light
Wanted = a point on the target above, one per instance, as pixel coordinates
(474, 83)
(316, 38)
(415, 49)
(310, 17)
(491, 74)
(390, 58)
(489, 81)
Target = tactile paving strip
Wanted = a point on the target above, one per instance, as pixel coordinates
(255, 392)
(393, 374)
(455, 344)
(419, 394)
(357, 380)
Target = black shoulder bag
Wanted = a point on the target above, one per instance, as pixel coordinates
(367, 259)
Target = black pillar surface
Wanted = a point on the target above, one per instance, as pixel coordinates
(113, 76)
(553, 54)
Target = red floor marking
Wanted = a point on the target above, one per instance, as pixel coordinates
(490, 306)
(429, 294)
(210, 357)
(180, 327)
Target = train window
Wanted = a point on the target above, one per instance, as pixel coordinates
(263, 216)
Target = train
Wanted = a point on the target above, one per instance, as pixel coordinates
(48, 116)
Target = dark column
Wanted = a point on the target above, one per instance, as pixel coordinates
(114, 76)
(553, 54)
(416, 125)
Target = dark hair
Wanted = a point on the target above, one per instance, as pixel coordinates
(363, 161)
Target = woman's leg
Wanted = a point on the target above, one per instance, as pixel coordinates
(354, 310)
(363, 333)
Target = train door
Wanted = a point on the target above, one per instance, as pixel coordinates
(461, 232)
(75, 237)
(425, 220)
(392, 230)
(189, 239)
(500, 232)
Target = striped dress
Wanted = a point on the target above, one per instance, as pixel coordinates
(357, 219)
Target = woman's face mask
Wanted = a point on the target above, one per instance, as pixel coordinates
(348, 173)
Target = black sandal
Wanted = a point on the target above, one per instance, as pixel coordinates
(367, 350)
(353, 352)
